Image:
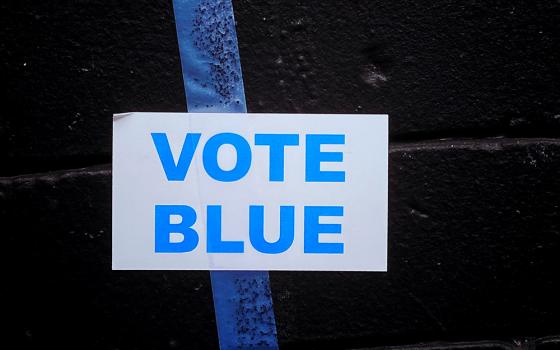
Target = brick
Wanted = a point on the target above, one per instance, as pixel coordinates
(473, 239)
(476, 68)
(443, 68)
(473, 244)
(62, 292)
(68, 68)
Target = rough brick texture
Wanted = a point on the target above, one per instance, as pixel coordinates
(472, 89)
(440, 69)
(473, 247)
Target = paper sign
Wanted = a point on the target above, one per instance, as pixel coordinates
(250, 192)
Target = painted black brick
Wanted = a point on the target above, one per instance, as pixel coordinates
(473, 246)
(440, 69)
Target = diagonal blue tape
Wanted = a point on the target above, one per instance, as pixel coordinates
(213, 83)
(209, 56)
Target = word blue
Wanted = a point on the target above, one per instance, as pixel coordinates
(276, 143)
(215, 244)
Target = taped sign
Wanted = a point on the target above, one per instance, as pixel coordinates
(249, 192)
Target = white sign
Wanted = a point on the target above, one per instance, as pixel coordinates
(249, 192)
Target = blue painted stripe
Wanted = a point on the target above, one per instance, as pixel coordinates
(213, 83)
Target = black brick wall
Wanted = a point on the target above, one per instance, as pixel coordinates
(472, 90)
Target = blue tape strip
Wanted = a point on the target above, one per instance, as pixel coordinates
(209, 56)
(213, 83)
